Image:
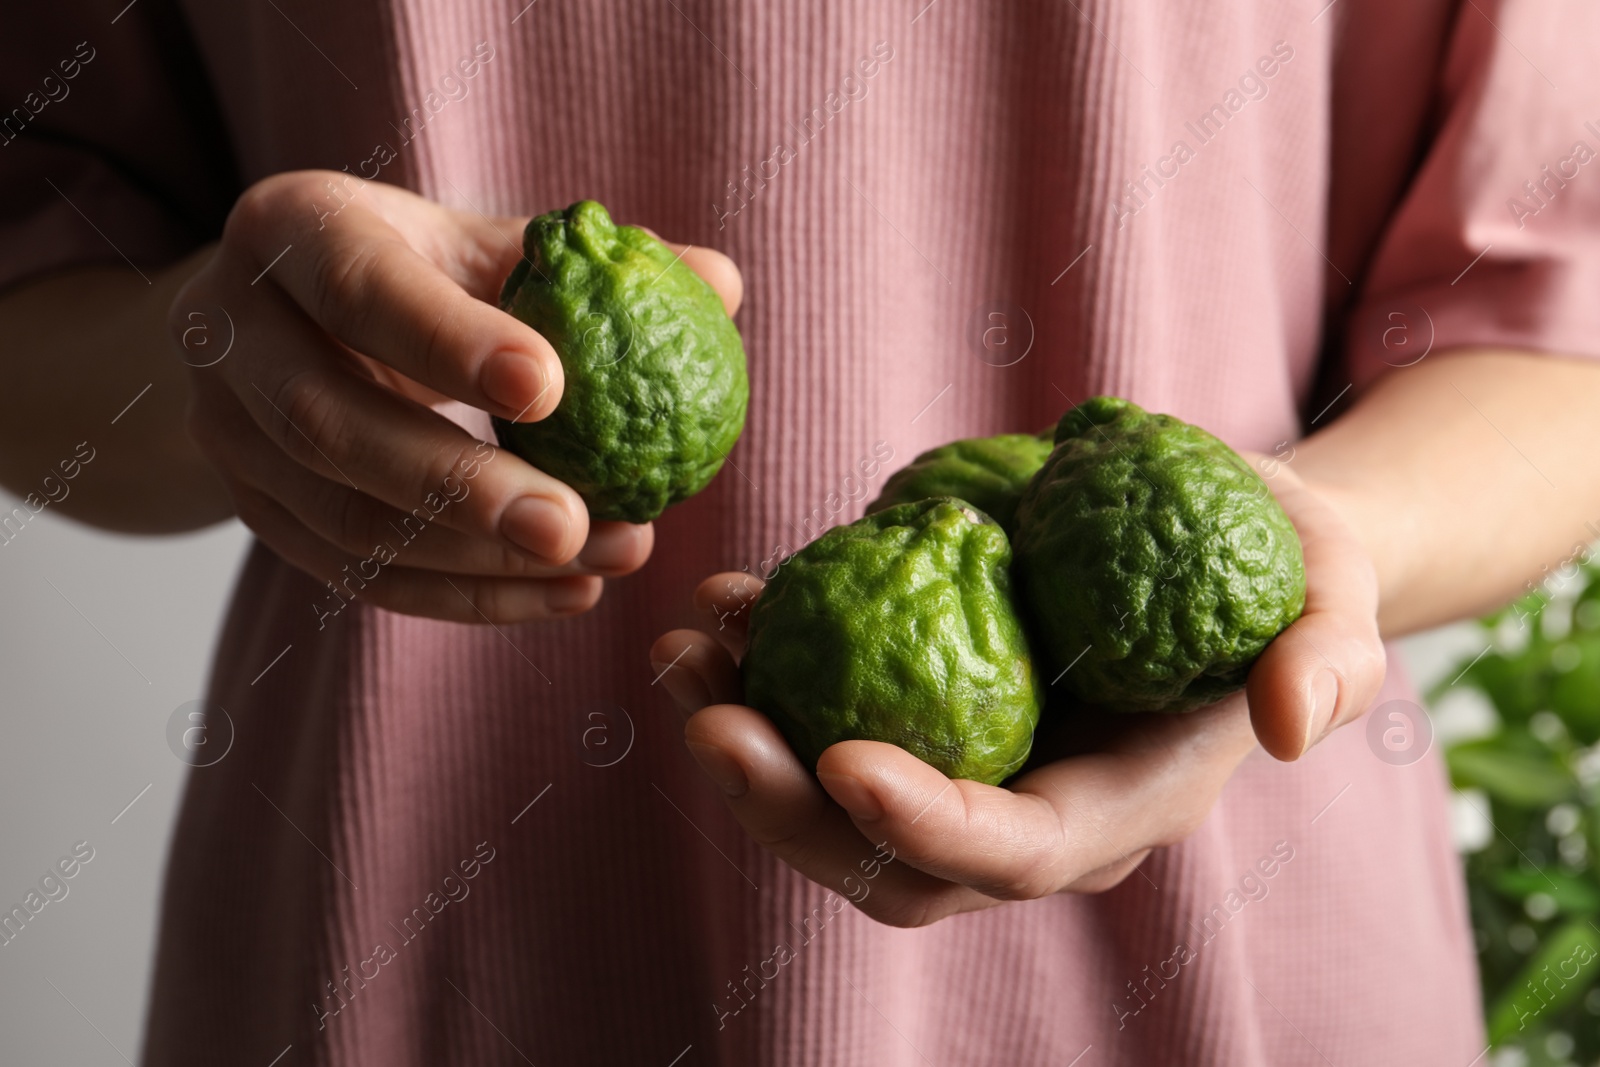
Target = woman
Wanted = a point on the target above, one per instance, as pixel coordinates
(458, 824)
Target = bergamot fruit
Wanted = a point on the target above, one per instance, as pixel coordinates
(989, 473)
(1155, 564)
(899, 627)
(655, 371)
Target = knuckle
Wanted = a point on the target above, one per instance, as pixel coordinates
(789, 845)
(494, 603)
(515, 564)
(1105, 878)
(442, 479)
(250, 215)
(310, 420)
(247, 508)
(449, 460)
(797, 840)
(904, 912)
(352, 519)
(437, 358)
(342, 277)
(1032, 880)
(250, 507)
(259, 211)
(487, 603)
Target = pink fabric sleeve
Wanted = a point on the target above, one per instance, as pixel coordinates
(1497, 240)
(111, 149)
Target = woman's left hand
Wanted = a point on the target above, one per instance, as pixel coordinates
(1081, 823)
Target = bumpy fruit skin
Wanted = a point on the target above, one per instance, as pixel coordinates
(1155, 564)
(899, 627)
(655, 371)
(989, 473)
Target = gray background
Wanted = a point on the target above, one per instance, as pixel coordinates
(84, 733)
(84, 703)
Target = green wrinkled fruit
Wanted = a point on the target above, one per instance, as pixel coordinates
(899, 627)
(989, 473)
(655, 391)
(1155, 563)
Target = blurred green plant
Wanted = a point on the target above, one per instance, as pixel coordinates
(1533, 887)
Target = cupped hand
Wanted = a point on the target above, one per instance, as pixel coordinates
(1099, 793)
(358, 313)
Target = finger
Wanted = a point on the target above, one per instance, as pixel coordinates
(781, 807)
(481, 265)
(358, 524)
(728, 598)
(480, 262)
(458, 598)
(1327, 667)
(493, 253)
(304, 393)
(1012, 846)
(502, 242)
(717, 269)
(616, 548)
(1109, 876)
(1070, 824)
(695, 670)
(359, 279)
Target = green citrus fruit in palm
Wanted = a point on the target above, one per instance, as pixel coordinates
(989, 473)
(899, 627)
(1155, 563)
(655, 391)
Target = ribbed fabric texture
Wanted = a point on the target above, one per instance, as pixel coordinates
(994, 162)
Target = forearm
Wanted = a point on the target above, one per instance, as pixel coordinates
(1466, 477)
(79, 347)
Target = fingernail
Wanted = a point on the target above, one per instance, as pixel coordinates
(513, 380)
(1324, 697)
(685, 686)
(852, 795)
(612, 549)
(569, 597)
(720, 768)
(537, 525)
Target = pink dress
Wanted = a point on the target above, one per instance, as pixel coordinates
(953, 218)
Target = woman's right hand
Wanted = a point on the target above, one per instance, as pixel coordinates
(353, 327)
